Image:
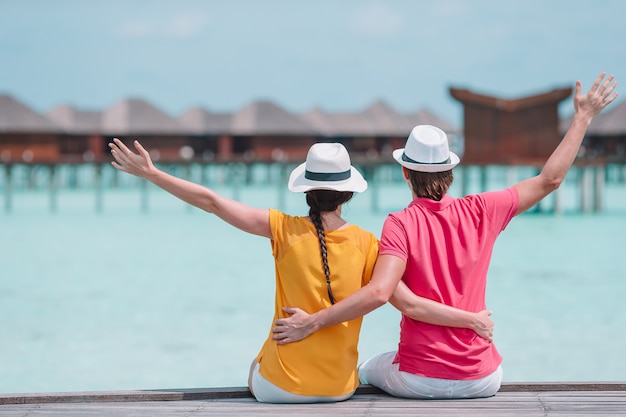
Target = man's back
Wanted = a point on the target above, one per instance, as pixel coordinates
(447, 247)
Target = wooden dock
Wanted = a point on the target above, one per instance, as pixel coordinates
(102, 177)
(514, 399)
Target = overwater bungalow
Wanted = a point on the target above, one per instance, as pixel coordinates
(261, 131)
(606, 135)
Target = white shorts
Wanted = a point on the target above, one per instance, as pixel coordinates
(266, 392)
(381, 372)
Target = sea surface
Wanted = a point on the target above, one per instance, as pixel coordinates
(125, 287)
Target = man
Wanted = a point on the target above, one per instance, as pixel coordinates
(439, 248)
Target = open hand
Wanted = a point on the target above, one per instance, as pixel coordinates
(138, 164)
(293, 328)
(597, 98)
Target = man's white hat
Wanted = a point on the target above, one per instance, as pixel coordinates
(426, 150)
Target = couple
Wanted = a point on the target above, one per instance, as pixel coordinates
(431, 263)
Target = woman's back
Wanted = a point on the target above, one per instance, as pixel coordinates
(324, 364)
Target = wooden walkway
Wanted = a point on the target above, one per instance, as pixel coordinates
(529, 400)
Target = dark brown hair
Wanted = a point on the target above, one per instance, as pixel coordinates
(432, 185)
(320, 201)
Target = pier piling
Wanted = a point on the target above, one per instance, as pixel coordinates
(589, 181)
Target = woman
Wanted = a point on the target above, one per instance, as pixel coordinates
(321, 368)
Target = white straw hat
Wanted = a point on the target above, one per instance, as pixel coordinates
(426, 150)
(327, 167)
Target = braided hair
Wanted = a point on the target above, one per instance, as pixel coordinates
(320, 201)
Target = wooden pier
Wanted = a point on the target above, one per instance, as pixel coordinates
(514, 399)
(590, 181)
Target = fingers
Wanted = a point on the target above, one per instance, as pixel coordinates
(605, 87)
(606, 83)
(118, 166)
(121, 146)
(579, 87)
(118, 155)
(141, 149)
(125, 159)
(280, 328)
(114, 147)
(611, 99)
(278, 335)
(600, 95)
(118, 149)
(608, 97)
(290, 310)
(598, 80)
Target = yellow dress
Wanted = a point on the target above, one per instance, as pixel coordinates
(323, 364)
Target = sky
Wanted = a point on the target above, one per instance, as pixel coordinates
(339, 56)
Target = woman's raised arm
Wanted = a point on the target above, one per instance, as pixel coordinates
(246, 218)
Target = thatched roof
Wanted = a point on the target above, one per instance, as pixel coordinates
(200, 121)
(379, 119)
(136, 116)
(610, 123)
(73, 120)
(426, 117)
(16, 117)
(386, 120)
(266, 118)
(339, 124)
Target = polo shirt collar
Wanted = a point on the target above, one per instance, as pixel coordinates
(433, 205)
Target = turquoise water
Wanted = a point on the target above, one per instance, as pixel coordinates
(171, 297)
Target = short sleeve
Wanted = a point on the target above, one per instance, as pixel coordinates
(501, 206)
(276, 220)
(393, 239)
(370, 260)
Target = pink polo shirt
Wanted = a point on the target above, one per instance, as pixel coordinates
(447, 247)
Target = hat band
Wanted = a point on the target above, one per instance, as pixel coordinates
(405, 158)
(327, 176)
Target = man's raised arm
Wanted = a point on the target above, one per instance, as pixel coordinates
(586, 107)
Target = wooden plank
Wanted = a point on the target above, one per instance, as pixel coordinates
(121, 396)
(562, 386)
(367, 402)
(243, 392)
(371, 407)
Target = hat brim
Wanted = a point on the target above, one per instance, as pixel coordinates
(299, 184)
(454, 161)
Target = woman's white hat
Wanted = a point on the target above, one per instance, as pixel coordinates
(426, 150)
(327, 167)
